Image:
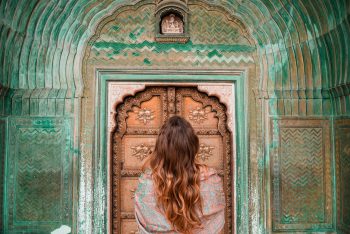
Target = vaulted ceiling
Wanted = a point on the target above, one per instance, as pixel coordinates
(302, 46)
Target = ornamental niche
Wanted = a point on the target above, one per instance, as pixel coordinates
(172, 21)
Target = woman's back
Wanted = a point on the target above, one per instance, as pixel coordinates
(151, 219)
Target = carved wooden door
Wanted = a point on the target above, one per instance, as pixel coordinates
(139, 119)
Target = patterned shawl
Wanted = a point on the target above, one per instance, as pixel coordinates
(151, 220)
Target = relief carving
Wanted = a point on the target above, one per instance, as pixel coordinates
(226, 96)
(219, 109)
(172, 102)
(172, 21)
(301, 178)
(38, 165)
(222, 128)
(172, 24)
(142, 151)
(116, 93)
(145, 115)
(205, 152)
(343, 172)
(198, 115)
(160, 1)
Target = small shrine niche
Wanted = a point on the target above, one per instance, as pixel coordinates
(172, 23)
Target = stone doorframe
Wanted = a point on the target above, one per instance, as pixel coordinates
(229, 86)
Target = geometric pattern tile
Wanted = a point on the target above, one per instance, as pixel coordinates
(215, 28)
(39, 185)
(301, 164)
(129, 41)
(2, 171)
(343, 173)
(301, 175)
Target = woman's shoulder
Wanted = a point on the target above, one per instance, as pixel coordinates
(212, 193)
(145, 176)
(145, 182)
(207, 173)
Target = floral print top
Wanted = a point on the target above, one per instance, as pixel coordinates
(151, 220)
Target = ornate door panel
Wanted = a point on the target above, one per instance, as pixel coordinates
(138, 121)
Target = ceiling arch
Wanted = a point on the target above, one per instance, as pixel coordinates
(303, 46)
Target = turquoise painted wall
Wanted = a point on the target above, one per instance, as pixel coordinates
(39, 175)
(299, 68)
(3, 129)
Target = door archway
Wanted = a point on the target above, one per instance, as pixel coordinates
(138, 119)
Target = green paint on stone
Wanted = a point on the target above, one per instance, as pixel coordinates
(40, 159)
(2, 167)
(115, 28)
(158, 47)
(214, 53)
(136, 33)
(147, 61)
(115, 52)
(302, 45)
(110, 55)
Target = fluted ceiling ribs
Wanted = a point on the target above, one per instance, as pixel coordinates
(303, 46)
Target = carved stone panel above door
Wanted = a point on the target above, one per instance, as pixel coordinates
(138, 120)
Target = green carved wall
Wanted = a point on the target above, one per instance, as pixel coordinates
(2, 160)
(39, 175)
(301, 175)
(342, 128)
(295, 55)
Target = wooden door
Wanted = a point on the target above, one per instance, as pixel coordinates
(138, 121)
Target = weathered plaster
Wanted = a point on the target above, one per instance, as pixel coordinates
(295, 54)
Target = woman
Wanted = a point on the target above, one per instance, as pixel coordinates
(176, 194)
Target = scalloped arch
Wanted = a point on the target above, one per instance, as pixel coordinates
(304, 45)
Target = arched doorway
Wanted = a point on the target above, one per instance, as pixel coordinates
(223, 53)
(138, 119)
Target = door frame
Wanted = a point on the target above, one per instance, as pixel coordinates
(101, 172)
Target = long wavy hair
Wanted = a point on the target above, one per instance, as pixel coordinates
(176, 174)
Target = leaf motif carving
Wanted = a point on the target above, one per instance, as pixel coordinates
(142, 151)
